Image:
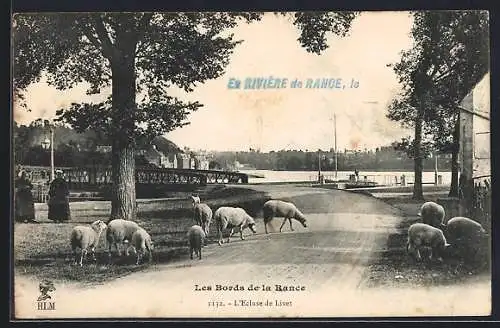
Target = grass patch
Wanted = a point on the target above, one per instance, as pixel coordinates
(395, 268)
(43, 250)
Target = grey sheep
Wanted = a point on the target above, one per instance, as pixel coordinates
(465, 234)
(196, 236)
(118, 232)
(142, 243)
(278, 208)
(232, 217)
(86, 238)
(422, 235)
(432, 214)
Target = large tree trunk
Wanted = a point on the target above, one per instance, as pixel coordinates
(123, 204)
(418, 163)
(454, 160)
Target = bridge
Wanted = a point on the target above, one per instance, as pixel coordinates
(92, 178)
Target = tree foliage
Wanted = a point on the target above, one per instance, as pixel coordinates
(141, 56)
(174, 49)
(450, 55)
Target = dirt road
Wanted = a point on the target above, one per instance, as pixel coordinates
(324, 265)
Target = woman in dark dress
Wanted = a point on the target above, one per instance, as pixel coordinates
(24, 204)
(59, 199)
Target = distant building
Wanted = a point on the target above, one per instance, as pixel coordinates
(172, 161)
(246, 167)
(475, 153)
(183, 161)
(200, 162)
(156, 157)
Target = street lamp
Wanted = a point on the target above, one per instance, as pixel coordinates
(320, 158)
(46, 144)
(436, 181)
(319, 166)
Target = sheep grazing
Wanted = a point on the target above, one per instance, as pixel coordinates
(196, 236)
(279, 208)
(230, 218)
(86, 238)
(432, 214)
(195, 199)
(142, 243)
(203, 216)
(466, 235)
(118, 232)
(422, 235)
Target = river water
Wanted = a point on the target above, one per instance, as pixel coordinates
(383, 178)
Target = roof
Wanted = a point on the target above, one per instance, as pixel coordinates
(478, 99)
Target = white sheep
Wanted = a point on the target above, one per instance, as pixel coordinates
(142, 243)
(196, 236)
(432, 214)
(86, 238)
(203, 216)
(118, 232)
(278, 208)
(195, 199)
(233, 217)
(422, 235)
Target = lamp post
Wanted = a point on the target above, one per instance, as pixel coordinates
(319, 166)
(320, 158)
(46, 144)
(335, 149)
(436, 168)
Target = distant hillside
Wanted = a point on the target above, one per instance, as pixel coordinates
(165, 146)
(33, 135)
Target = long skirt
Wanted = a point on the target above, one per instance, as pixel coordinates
(24, 206)
(59, 209)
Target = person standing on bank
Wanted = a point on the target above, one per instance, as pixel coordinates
(24, 204)
(59, 199)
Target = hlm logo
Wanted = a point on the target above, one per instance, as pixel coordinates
(46, 287)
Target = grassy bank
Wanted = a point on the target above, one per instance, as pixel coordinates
(395, 268)
(43, 249)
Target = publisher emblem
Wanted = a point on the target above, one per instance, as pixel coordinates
(46, 287)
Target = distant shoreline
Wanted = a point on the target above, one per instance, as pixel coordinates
(360, 170)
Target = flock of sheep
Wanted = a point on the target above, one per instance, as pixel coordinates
(436, 235)
(119, 231)
(433, 233)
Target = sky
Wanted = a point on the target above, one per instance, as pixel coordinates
(285, 118)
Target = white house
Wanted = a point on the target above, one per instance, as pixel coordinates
(475, 132)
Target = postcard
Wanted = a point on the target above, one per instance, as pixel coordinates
(251, 164)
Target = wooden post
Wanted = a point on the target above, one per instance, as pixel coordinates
(52, 175)
(319, 166)
(436, 169)
(335, 129)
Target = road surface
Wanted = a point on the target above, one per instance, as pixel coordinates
(322, 267)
